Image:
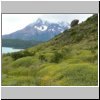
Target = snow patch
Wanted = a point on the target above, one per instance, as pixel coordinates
(41, 28)
(53, 30)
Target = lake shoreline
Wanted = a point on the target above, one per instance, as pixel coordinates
(6, 50)
(14, 47)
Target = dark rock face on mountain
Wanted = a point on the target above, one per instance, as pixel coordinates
(74, 22)
(39, 31)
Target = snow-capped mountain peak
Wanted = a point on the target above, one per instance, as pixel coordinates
(40, 30)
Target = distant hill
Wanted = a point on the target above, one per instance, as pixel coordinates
(40, 30)
(16, 43)
(68, 59)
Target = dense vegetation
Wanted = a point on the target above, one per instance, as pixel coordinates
(69, 59)
(16, 43)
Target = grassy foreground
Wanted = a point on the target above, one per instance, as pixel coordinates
(69, 59)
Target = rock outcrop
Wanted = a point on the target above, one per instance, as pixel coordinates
(74, 22)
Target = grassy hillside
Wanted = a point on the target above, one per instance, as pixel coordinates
(16, 43)
(69, 59)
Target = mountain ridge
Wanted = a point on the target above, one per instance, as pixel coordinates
(39, 31)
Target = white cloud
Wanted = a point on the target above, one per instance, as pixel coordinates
(14, 22)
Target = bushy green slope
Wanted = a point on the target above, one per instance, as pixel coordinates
(69, 59)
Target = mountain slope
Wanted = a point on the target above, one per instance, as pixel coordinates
(39, 31)
(16, 43)
(69, 59)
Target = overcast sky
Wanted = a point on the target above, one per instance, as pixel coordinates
(14, 22)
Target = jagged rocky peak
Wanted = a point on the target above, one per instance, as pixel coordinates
(39, 20)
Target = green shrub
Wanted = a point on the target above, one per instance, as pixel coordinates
(25, 53)
(19, 81)
(56, 57)
(42, 57)
(22, 62)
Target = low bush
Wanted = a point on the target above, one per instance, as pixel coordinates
(56, 57)
(25, 53)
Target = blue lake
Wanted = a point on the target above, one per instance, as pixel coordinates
(9, 50)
